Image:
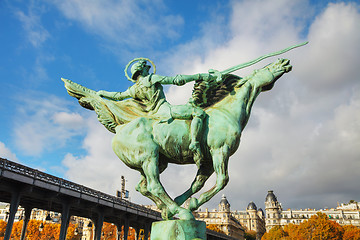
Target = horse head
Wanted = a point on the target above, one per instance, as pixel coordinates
(263, 78)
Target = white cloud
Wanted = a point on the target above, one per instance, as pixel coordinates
(43, 124)
(7, 153)
(32, 25)
(128, 22)
(68, 120)
(37, 74)
(333, 49)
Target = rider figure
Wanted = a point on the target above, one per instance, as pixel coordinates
(149, 91)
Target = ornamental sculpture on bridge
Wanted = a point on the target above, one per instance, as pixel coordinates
(150, 132)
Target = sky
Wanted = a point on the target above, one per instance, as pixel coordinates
(302, 140)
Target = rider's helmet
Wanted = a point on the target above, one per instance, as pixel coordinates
(138, 67)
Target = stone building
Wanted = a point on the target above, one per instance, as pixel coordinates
(234, 223)
(273, 210)
(5, 210)
(344, 214)
(252, 219)
(223, 219)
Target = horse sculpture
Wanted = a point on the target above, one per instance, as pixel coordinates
(148, 145)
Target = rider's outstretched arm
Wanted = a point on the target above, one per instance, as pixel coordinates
(182, 79)
(114, 95)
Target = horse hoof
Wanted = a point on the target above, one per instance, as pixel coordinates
(185, 214)
(166, 214)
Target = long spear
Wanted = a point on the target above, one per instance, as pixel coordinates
(244, 65)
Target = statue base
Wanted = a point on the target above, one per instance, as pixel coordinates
(178, 230)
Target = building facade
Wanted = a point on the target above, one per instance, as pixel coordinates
(235, 223)
(253, 219)
(223, 219)
(5, 210)
(344, 214)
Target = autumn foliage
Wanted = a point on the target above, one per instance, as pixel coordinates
(47, 231)
(109, 232)
(317, 227)
(214, 227)
(351, 232)
(2, 229)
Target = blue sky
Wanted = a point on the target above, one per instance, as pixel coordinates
(302, 139)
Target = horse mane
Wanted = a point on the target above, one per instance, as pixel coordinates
(207, 93)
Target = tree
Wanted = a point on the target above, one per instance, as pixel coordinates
(16, 230)
(108, 231)
(33, 230)
(250, 235)
(276, 232)
(317, 227)
(131, 234)
(47, 231)
(351, 232)
(320, 227)
(292, 231)
(2, 228)
(50, 231)
(215, 228)
(70, 234)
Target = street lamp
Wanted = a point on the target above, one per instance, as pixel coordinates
(41, 227)
(48, 218)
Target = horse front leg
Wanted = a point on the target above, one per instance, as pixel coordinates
(202, 175)
(220, 163)
(151, 171)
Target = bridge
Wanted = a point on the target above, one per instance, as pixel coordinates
(31, 188)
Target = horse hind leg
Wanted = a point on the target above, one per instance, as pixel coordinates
(220, 163)
(202, 176)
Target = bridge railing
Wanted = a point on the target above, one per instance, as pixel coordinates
(63, 183)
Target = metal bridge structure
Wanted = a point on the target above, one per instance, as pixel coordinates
(31, 188)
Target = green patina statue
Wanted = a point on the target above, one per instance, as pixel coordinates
(148, 90)
(150, 133)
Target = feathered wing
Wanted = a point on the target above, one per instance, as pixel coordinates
(207, 93)
(110, 113)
